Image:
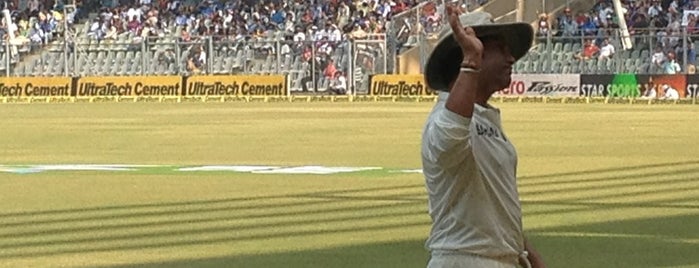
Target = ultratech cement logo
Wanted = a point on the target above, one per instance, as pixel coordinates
(245, 89)
(37, 87)
(128, 89)
(243, 85)
(130, 86)
(402, 88)
(399, 85)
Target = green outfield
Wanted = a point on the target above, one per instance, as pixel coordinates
(602, 185)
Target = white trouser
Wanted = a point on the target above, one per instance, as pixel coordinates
(465, 260)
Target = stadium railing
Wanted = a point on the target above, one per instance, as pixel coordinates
(357, 59)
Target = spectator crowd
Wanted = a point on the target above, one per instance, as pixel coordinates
(655, 25)
(32, 26)
(305, 26)
(322, 26)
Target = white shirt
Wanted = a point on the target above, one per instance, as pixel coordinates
(658, 58)
(202, 57)
(606, 51)
(300, 36)
(470, 171)
(650, 94)
(134, 12)
(340, 82)
(654, 10)
(335, 35)
(672, 94)
(671, 67)
(285, 49)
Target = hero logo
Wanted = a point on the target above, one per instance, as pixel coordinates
(539, 88)
(516, 88)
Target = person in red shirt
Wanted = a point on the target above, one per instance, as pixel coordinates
(589, 50)
(330, 69)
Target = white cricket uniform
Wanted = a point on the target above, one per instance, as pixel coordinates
(470, 171)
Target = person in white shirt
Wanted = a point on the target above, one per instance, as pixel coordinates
(335, 35)
(468, 162)
(339, 84)
(650, 91)
(655, 9)
(658, 57)
(607, 50)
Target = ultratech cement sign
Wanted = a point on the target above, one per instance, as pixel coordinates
(399, 85)
(543, 85)
(129, 86)
(35, 86)
(237, 85)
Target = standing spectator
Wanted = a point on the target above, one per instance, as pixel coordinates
(567, 27)
(544, 26)
(655, 9)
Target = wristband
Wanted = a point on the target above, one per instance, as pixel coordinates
(470, 70)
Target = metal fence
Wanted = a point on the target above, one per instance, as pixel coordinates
(308, 64)
(412, 28)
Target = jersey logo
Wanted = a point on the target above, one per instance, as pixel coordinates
(489, 132)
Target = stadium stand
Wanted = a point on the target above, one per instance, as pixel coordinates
(311, 40)
(213, 37)
(655, 26)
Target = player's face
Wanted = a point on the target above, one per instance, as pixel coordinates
(496, 67)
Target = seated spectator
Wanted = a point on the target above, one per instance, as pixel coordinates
(338, 85)
(111, 33)
(692, 27)
(95, 30)
(589, 27)
(134, 26)
(330, 69)
(197, 60)
(670, 66)
(658, 57)
(324, 47)
(607, 50)
(589, 50)
(167, 57)
(357, 33)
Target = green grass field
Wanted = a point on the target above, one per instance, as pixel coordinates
(601, 185)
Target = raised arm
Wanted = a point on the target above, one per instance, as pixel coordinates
(463, 91)
(448, 134)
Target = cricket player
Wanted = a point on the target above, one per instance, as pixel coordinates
(469, 163)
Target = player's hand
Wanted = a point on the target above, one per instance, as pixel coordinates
(471, 46)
